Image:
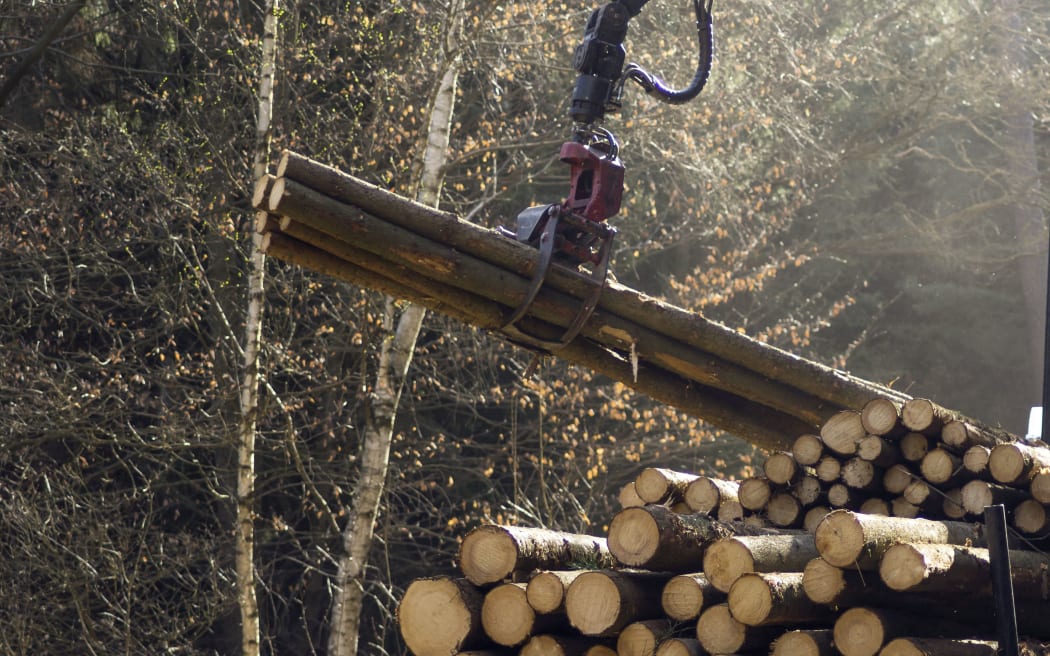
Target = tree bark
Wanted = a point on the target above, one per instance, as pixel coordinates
(659, 485)
(655, 538)
(244, 556)
(728, 559)
(775, 599)
(958, 570)
(848, 539)
(492, 553)
(395, 357)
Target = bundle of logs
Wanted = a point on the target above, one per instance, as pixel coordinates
(323, 219)
(863, 539)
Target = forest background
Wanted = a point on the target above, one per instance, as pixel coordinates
(863, 185)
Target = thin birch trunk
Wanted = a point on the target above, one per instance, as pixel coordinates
(249, 390)
(395, 358)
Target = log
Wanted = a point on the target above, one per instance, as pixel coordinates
(808, 491)
(754, 493)
(848, 539)
(775, 599)
(1015, 463)
(914, 447)
(1039, 486)
(730, 511)
(784, 510)
(878, 451)
(814, 516)
(728, 559)
(655, 538)
(440, 616)
(602, 603)
(680, 647)
(841, 495)
(681, 325)
(546, 590)
(804, 642)
(938, 647)
(942, 467)
(958, 570)
(567, 645)
(978, 495)
(1031, 518)
(659, 485)
(829, 468)
(925, 416)
(509, 620)
(628, 496)
(781, 468)
(875, 506)
(961, 434)
(896, 479)
(492, 553)
(975, 459)
(826, 584)
(705, 494)
(685, 596)
(719, 633)
(863, 631)
(842, 432)
(952, 506)
(641, 638)
(807, 449)
(861, 474)
(881, 416)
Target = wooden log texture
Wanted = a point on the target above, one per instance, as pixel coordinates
(641, 638)
(805, 642)
(720, 633)
(784, 510)
(680, 647)
(938, 647)
(685, 596)
(754, 493)
(568, 645)
(781, 468)
(660, 485)
(843, 432)
(492, 553)
(706, 494)
(942, 467)
(881, 416)
(509, 620)
(602, 603)
(953, 569)
(546, 590)
(728, 559)
(655, 538)
(848, 539)
(775, 599)
(807, 449)
(1039, 486)
(628, 496)
(978, 495)
(863, 631)
(1031, 518)
(925, 416)
(1015, 463)
(878, 451)
(440, 616)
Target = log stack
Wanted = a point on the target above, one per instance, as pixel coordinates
(671, 578)
(697, 564)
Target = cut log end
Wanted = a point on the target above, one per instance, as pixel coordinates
(506, 615)
(750, 600)
(685, 596)
(440, 616)
(724, 562)
(840, 538)
(592, 603)
(903, 567)
(880, 416)
(859, 632)
(719, 632)
(812, 642)
(822, 582)
(634, 536)
(680, 647)
(488, 555)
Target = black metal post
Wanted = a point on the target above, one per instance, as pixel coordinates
(1002, 583)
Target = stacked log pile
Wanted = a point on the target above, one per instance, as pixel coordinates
(695, 565)
(862, 520)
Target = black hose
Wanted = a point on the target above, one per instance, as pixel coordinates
(656, 87)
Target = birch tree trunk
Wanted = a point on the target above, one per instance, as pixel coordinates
(249, 389)
(395, 358)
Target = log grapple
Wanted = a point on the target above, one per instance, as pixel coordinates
(575, 232)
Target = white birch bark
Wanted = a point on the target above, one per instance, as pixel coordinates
(395, 358)
(249, 388)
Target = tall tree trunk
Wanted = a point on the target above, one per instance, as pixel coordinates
(395, 358)
(249, 388)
